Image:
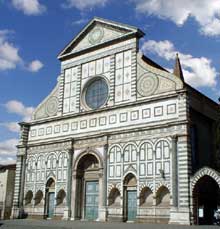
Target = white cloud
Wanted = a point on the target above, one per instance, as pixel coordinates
(80, 21)
(8, 151)
(17, 107)
(11, 126)
(29, 7)
(205, 12)
(9, 57)
(198, 72)
(8, 147)
(85, 4)
(35, 66)
(7, 160)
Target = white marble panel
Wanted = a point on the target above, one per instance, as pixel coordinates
(107, 64)
(66, 105)
(127, 58)
(68, 73)
(67, 90)
(119, 77)
(167, 167)
(111, 157)
(150, 168)
(111, 171)
(73, 104)
(127, 75)
(118, 170)
(73, 88)
(99, 66)
(118, 93)
(92, 68)
(119, 60)
(127, 91)
(74, 73)
(85, 70)
(142, 169)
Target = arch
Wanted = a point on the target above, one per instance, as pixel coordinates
(87, 152)
(128, 155)
(144, 142)
(62, 159)
(112, 186)
(130, 197)
(130, 143)
(40, 159)
(146, 155)
(88, 178)
(115, 154)
(51, 163)
(114, 198)
(50, 182)
(205, 187)
(163, 197)
(38, 197)
(50, 197)
(61, 195)
(115, 145)
(146, 197)
(202, 172)
(28, 197)
(162, 139)
(146, 185)
(162, 183)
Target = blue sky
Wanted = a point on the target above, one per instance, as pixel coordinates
(33, 32)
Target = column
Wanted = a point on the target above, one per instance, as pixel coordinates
(17, 208)
(67, 211)
(103, 186)
(174, 172)
(74, 214)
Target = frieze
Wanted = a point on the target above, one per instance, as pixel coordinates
(124, 117)
(51, 147)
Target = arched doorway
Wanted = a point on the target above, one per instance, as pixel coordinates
(87, 188)
(50, 198)
(206, 198)
(130, 198)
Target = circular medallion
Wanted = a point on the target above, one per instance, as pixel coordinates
(52, 106)
(147, 84)
(96, 36)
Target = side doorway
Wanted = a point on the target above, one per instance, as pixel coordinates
(50, 198)
(130, 198)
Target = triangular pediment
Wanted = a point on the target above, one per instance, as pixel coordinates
(98, 32)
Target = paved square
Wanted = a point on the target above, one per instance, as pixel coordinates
(48, 224)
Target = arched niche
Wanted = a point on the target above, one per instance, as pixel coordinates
(163, 197)
(28, 197)
(38, 197)
(61, 195)
(114, 199)
(146, 197)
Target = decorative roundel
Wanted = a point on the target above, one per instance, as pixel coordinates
(147, 84)
(96, 36)
(52, 106)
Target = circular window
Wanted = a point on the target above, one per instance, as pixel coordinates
(96, 93)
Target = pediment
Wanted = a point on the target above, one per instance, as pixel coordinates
(97, 32)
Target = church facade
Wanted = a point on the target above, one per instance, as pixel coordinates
(119, 138)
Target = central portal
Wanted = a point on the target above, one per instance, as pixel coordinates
(87, 188)
(91, 200)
